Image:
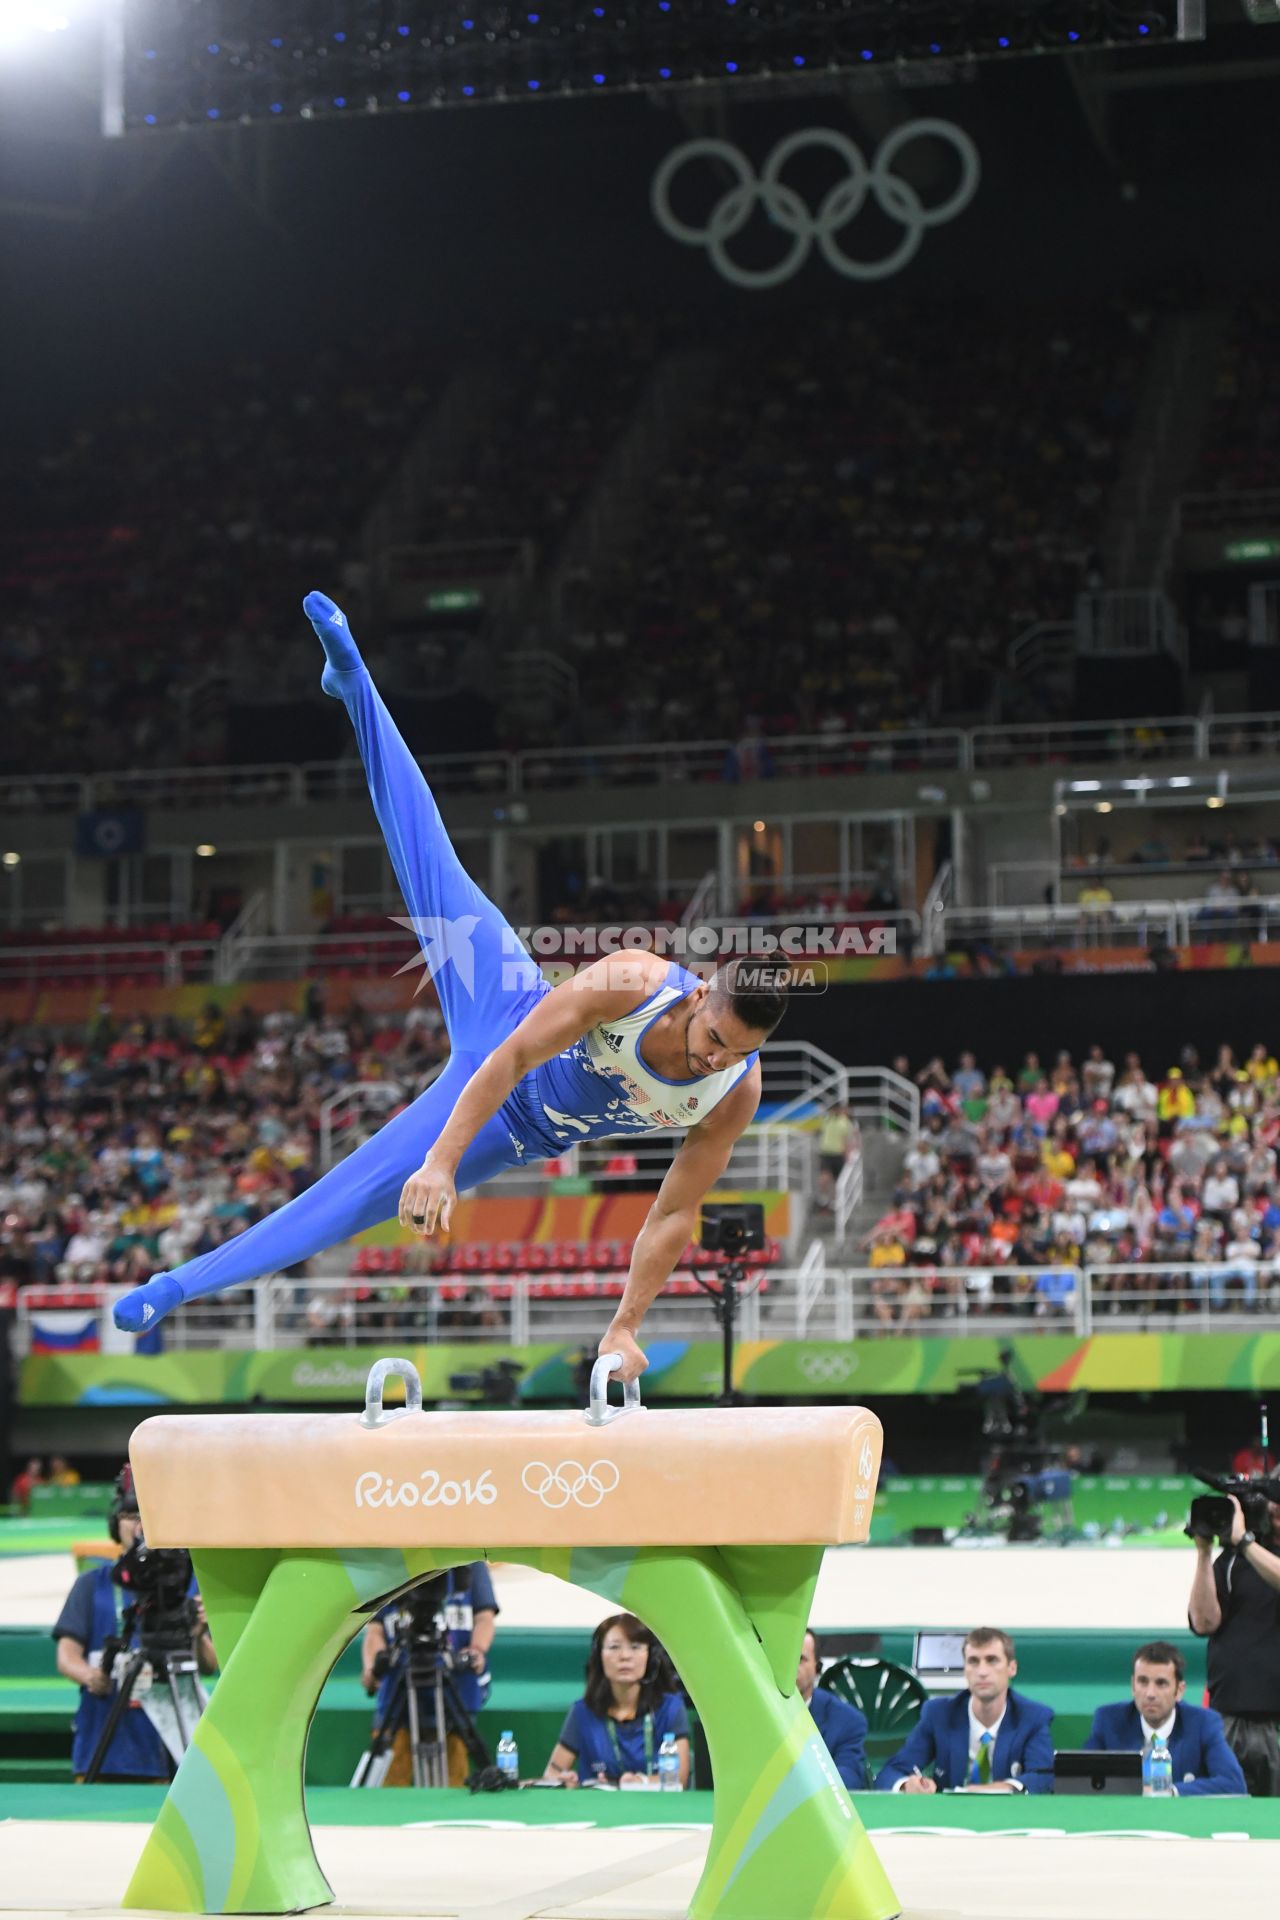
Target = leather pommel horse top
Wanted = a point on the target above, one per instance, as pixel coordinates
(730, 1476)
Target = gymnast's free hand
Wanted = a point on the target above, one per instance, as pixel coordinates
(427, 1199)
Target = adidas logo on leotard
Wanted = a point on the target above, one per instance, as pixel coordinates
(612, 1040)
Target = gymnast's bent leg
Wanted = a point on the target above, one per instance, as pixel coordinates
(359, 1192)
(485, 979)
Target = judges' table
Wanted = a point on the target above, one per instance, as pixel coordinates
(1079, 1815)
(710, 1525)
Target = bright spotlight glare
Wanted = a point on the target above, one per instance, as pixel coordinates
(22, 20)
(19, 18)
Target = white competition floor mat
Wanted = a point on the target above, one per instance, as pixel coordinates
(567, 1873)
(1140, 1588)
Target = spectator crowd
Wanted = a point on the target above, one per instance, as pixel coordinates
(138, 1144)
(1017, 1181)
(846, 532)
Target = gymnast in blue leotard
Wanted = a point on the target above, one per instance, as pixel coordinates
(629, 1044)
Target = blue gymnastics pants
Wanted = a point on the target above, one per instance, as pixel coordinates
(486, 984)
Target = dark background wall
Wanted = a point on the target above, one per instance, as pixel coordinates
(1153, 1014)
(183, 248)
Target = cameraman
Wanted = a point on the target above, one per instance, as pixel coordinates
(1235, 1603)
(468, 1610)
(92, 1615)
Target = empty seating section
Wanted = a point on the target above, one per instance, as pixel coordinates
(554, 1270)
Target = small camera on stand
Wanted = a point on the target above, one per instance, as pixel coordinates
(733, 1230)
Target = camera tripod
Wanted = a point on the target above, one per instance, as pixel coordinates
(724, 1294)
(172, 1661)
(426, 1667)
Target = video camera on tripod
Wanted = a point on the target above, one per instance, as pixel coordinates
(422, 1699)
(154, 1654)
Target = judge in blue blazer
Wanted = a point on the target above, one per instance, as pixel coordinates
(843, 1726)
(987, 1736)
(1202, 1760)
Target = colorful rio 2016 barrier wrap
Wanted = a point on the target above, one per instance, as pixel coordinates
(678, 1369)
(306, 1523)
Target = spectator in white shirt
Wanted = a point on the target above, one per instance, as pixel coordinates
(1097, 1075)
(994, 1168)
(1136, 1096)
(1085, 1189)
(1220, 1194)
(921, 1164)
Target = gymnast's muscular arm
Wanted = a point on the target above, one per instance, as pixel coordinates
(673, 1216)
(605, 990)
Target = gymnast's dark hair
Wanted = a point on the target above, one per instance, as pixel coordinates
(755, 991)
(659, 1674)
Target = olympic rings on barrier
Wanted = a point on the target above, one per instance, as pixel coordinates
(826, 1369)
(840, 205)
(557, 1486)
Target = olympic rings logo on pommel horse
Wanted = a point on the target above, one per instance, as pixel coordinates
(839, 206)
(557, 1486)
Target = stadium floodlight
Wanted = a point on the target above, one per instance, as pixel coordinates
(30, 23)
(21, 19)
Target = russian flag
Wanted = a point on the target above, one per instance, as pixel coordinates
(65, 1329)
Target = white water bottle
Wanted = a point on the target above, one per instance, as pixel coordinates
(508, 1757)
(669, 1764)
(1160, 1774)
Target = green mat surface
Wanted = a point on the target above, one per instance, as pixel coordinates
(59, 1533)
(395, 1807)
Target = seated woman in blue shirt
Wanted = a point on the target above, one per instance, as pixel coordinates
(630, 1703)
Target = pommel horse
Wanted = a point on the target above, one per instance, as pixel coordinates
(708, 1524)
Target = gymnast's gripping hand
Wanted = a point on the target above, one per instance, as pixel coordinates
(634, 1359)
(428, 1199)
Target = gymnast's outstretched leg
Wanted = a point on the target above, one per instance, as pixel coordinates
(359, 1192)
(485, 980)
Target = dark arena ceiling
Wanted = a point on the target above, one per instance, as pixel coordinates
(188, 63)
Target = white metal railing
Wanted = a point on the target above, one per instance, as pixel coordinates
(701, 900)
(1120, 923)
(1073, 742)
(1150, 737)
(342, 1114)
(1047, 647)
(826, 932)
(146, 961)
(1123, 923)
(812, 1301)
(848, 1193)
(941, 888)
(1240, 734)
(1126, 621)
(791, 755)
(879, 1097)
(809, 1284)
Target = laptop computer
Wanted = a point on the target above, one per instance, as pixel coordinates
(938, 1659)
(1078, 1772)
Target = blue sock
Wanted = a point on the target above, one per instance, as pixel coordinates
(142, 1309)
(334, 633)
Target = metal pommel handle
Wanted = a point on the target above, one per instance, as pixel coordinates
(375, 1414)
(599, 1413)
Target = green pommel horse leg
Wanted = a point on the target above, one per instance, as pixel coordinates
(306, 1522)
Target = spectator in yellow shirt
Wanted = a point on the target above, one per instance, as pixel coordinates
(1174, 1101)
